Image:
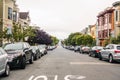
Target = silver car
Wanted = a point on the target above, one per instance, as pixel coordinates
(110, 52)
(43, 49)
(4, 66)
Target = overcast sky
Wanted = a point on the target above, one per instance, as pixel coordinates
(61, 17)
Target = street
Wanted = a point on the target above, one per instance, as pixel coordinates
(63, 64)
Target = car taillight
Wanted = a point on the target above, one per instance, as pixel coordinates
(117, 51)
(97, 51)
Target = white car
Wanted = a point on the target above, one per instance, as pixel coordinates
(4, 65)
(111, 52)
(42, 49)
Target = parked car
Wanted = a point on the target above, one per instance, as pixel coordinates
(51, 47)
(95, 51)
(43, 49)
(4, 65)
(111, 52)
(18, 54)
(71, 48)
(36, 52)
(77, 48)
(85, 49)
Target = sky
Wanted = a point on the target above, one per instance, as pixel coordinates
(62, 17)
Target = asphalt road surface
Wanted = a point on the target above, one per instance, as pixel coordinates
(62, 64)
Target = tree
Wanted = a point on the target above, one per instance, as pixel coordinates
(19, 33)
(87, 40)
(41, 37)
(54, 40)
(113, 40)
(106, 42)
(72, 38)
(66, 42)
(118, 38)
(80, 39)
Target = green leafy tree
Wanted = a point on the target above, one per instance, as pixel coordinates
(19, 33)
(28, 32)
(80, 39)
(106, 42)
(16, 32)
(72, 38)
(118, 38)
(87, 40)
(54, 40)
(66, 42)
(113, 40)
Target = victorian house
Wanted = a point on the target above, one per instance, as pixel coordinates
(8, 14)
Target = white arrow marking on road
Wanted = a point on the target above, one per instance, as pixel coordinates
(68, 77)
(56, 77)
(31, 78)
(81, 77)
(39, 77)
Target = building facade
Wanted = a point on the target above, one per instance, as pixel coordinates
(8, 13)
(93, 31)
(116, 6)
(109, 23)
(105, 25)
(24, 19)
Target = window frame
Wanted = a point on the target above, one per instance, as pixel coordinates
(10, 13)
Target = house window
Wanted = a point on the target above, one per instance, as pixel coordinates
(116, 15)
(119, 15)
(110, 18)
(14, 16)
(9, 13)
(103, 22)
(106, 20)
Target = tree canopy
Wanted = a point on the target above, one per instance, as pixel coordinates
(78, 39)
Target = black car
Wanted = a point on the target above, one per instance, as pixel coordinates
(18, 54)
(36, 52)
(95, 51)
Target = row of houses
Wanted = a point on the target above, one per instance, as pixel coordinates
(108, 25)
(9, 13)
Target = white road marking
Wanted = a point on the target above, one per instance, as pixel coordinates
(69, 77)
(90, 63)
(31, 78)
(38, 77)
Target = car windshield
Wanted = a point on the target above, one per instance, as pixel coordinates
(118, 47)
(16, 46)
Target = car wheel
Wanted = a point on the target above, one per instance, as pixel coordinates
(94, 55)
(46, 52)
(23, 63)
(89, 54)
(31, 60)
(111, 59)
(7, 70)
(100, 56)
(39, 56)
(36, 57)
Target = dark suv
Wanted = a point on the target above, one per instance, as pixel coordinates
(18, 54)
